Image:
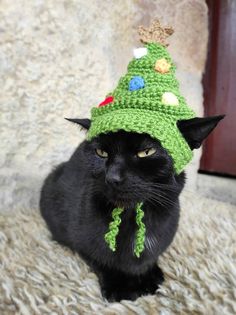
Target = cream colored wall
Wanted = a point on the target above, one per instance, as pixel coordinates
(59, 58)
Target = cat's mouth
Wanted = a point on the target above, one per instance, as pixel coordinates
(124, 203)
(122, 200)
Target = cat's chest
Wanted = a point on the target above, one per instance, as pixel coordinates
(128, 230)
(151, 242)
(95, 225)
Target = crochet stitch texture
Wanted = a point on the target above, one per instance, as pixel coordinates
(110, 236)
(142, 110)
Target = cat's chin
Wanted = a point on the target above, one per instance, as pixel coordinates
(120, 199)
(122, 202)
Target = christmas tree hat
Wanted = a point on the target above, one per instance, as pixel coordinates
(147, 98)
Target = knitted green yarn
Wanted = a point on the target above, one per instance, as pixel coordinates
(140, 235)
(110, 236)
(143, 110)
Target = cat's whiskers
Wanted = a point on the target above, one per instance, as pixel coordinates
(163, 198)
(156, 202)
(154, 193)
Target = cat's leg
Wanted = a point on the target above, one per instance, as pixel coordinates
(117, 286)
(152, 279)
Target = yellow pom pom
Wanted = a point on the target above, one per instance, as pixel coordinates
(162, 65)
(168, 98)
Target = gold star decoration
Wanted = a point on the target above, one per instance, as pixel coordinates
(162, 65)
(155, 33)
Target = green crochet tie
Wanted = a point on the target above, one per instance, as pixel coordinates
(110, 236)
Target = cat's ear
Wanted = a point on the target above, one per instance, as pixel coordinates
(85, 123)
(195, 130)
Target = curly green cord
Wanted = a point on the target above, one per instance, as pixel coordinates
(140, 234)
(110, 236)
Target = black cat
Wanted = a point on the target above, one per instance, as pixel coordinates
(119, 169)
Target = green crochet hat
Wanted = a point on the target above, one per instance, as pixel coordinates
(147, 99)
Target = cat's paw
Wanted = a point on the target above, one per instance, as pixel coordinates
(152, 280)
(133, 288)
(116, 295)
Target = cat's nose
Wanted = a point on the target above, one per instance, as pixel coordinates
(114, 179)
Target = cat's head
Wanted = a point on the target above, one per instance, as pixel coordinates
(131, 167)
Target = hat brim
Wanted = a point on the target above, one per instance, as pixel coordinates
(158, 126)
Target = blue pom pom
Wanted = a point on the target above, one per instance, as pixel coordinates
(136, 83)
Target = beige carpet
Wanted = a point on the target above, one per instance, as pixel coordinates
(38, 276)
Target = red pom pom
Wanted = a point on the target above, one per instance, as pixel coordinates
(108, 100)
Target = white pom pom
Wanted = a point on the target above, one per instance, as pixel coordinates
(140, 52)
(168, 98)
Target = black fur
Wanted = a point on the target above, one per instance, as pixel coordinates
(78, 197)
(84, 123)
(195, 130)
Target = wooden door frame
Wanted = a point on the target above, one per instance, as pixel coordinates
(219, 149)
(209, 75)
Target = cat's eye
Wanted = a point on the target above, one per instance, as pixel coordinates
(146, 152)
(101, 153)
